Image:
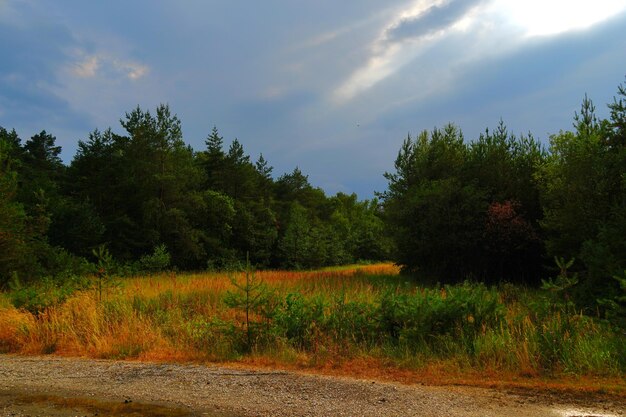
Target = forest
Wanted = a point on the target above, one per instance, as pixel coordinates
(499, 208)
(152, 202)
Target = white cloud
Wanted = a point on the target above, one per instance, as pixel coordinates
(322, 38)
(100, 85)
(544, 18)
(496, 26)
(107, 67)
(325, 38)
(132, 70)
(88, 67)
(377, 68)
(404, 37)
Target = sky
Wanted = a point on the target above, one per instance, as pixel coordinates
(332, 87)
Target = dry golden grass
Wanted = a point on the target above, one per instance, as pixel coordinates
(170, 317)
(83, 326)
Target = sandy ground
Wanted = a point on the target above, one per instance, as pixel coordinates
(62, 387)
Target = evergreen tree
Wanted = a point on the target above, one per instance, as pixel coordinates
(98, 181)
(13, 219)
(446, 201)
(584, 200)
(213, 160)
(264, 182)
(295, 244)
(164, 177)
(41, 171)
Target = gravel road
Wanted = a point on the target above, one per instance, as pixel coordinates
(62, 387)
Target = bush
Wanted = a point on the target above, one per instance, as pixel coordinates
(158, 261)
(430, 316)
(299, 320)
(45, 293)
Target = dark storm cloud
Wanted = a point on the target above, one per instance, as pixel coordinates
(432, 19)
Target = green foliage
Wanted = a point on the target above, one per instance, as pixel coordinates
(13, 230)
(47, 292)
(300, 320)
(297, 241)
(158, 261)
(25, 175)
(145, 188)
(457, 210)
(76, 226)
(431, 316)
(583, 192)
(41, 170)
(256, 301)
(218, 338)
(357, 231)
(494, 209)
(560, 288)
(574, 187)
(104, 278)
(478, 325)
(615, 305)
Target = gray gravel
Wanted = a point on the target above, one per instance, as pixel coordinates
(219, 391)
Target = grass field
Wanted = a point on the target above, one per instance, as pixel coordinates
(359, 320)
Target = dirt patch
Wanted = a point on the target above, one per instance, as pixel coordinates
(18, 403)
(45, 385)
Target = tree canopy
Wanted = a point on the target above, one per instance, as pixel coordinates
(502, 207)
(147, 189)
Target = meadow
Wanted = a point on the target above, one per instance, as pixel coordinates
(358, 320)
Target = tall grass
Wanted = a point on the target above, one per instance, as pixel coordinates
(320, 317)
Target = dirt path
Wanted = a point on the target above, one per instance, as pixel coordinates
(51, 386)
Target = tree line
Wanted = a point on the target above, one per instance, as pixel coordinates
(148, 193)
(507, 208)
